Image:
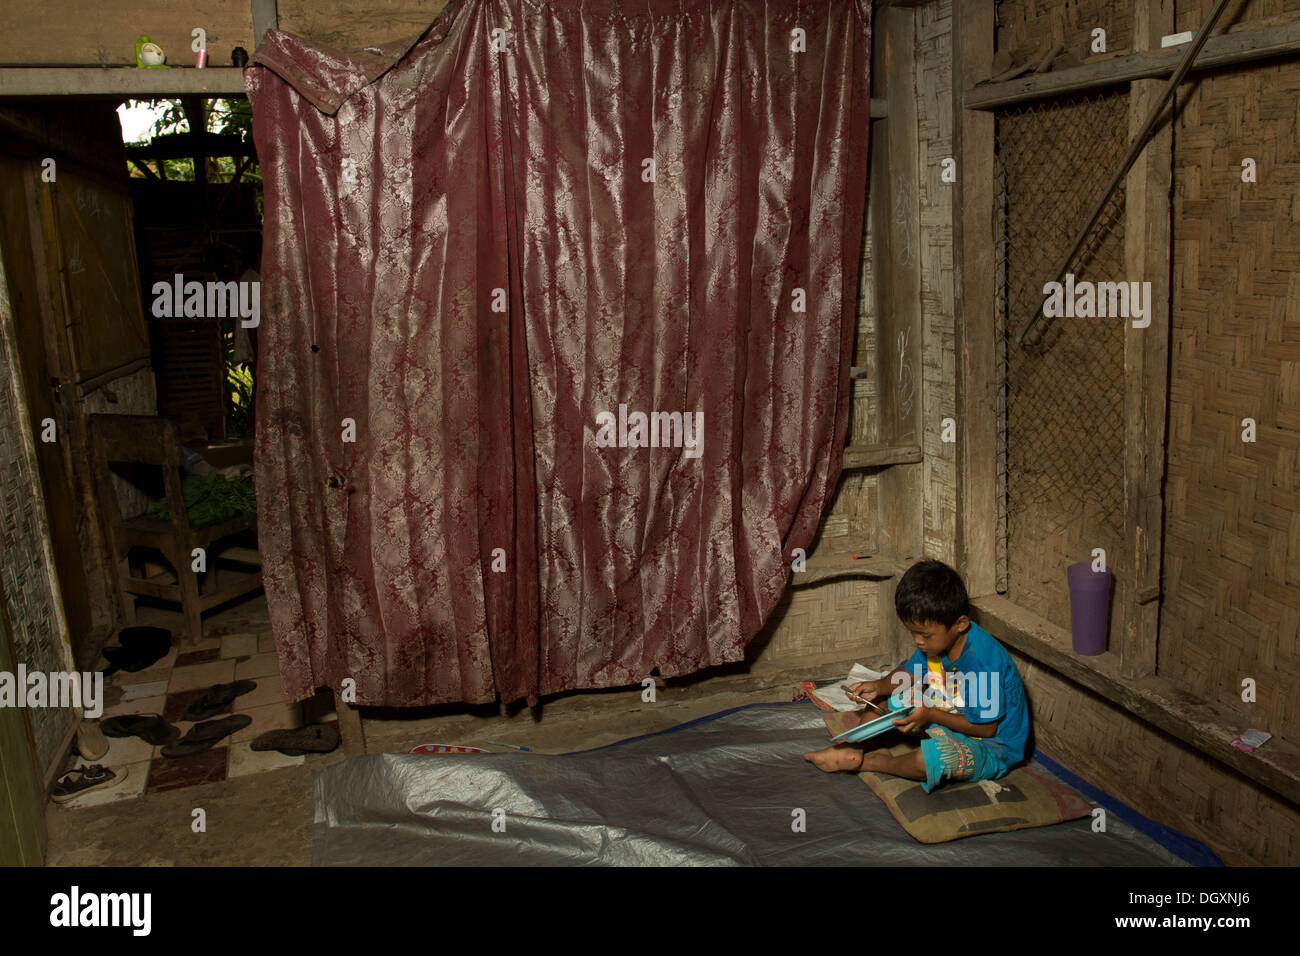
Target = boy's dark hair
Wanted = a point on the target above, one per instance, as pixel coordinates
(931, 591)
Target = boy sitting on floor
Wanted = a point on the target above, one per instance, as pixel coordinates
(972, 706)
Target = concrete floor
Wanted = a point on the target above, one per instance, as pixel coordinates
(265, 819)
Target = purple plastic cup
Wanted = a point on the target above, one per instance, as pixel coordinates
(1089, 608)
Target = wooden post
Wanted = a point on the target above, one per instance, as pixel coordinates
(265, 17)
(973, 271)
(1147, 238)
(896, 257)
(351, 734)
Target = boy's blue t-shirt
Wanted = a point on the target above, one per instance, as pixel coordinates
(990, 688)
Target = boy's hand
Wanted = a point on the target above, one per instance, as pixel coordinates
(866, 689)
(918, 719)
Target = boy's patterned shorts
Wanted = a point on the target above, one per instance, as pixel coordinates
(949, 755)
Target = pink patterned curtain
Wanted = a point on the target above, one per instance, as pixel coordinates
(557, 316)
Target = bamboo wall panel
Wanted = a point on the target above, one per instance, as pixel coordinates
(1190, 14)
(1157, 775)
(1034, 26)
(835, 621)
(27, 579)
(1232, 542)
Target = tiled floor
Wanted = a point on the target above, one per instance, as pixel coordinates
(237, 645)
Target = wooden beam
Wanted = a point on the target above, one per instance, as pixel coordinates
(1226, 49)
(862, 455)
(973, 272)
(1206, 726)
(265, 17)
(1147, 239)
(846, 557)
(143, 166)
(121, 82)
(191, 145)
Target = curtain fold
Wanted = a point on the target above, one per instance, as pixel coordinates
(558, 311)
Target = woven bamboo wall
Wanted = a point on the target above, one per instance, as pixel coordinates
(1034, 26)
(1157, 775)
(27, 582)
(1232, 541)
(1190, 14)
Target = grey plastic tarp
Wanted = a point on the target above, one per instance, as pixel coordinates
(722, 790)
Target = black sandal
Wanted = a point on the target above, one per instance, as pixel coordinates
(217, 699)
(148, 727)
(316, 739)
(203, 736)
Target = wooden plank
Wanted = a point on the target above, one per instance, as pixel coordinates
(973, 273)
(896, 259)
(99, 381)
(242, 555)
(1207, 726)
(22, 252)
(1227, 49)
(835, 565)
(1147, 241)
(356, 24)
(88, 32)
(121, 83)
(879, 456)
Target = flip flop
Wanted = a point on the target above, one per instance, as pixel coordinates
(217, 699)
(148, 727)
(203, 736)
(84, 779)
(316, 739)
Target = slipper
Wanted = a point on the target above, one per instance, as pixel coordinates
(148, 727)
(84, 779)
(91, 742)
(202, 736)
(316, 739)
(217, 699)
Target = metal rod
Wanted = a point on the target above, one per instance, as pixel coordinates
(1134, 150)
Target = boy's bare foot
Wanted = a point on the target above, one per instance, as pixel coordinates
(876, 761)
(838, 757)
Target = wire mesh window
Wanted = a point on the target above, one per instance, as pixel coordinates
(1062, 467)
